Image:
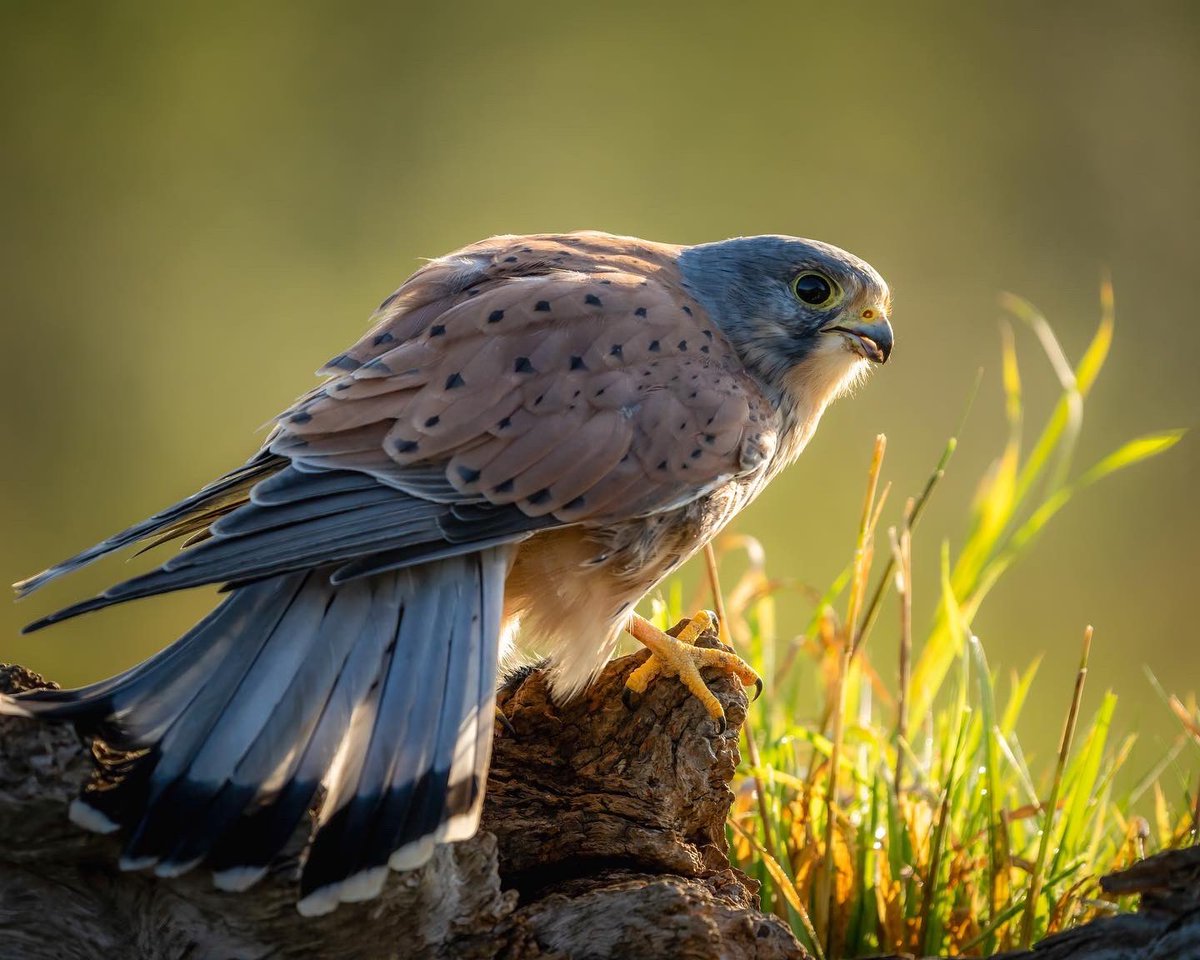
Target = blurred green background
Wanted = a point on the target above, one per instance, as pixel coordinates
(204, 201)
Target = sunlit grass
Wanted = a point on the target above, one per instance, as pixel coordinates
(897, 812)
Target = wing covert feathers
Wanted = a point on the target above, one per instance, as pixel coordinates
(544, 372)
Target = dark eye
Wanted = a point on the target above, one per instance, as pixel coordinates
(813, 288)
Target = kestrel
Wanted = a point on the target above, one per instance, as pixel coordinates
(535, 431)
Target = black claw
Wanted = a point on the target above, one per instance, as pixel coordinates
(506, 723)
(722, 726)
(627, 698)
(757, 689)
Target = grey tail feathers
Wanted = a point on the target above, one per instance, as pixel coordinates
(370, 701)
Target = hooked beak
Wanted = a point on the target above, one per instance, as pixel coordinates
(868, 338)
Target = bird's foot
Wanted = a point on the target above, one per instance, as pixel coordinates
(680, 657)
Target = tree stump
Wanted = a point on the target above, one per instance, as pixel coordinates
(603, 836)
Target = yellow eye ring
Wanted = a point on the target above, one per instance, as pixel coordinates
(814, 289)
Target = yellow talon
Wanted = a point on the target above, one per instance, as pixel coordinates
(678, 656)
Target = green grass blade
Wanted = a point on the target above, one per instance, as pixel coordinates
(1016, 699)
(1083, 778)
(991, 776)
(1060, 420)
(943, 647)
(1036, 879)
(1135, 451)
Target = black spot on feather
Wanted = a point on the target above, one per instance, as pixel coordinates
(343, 362)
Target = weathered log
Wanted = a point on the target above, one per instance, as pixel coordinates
(603, 836)
(1166, 925)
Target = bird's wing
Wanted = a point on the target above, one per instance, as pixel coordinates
(572, 377)
(511, 387)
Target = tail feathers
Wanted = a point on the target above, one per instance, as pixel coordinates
(166, 715)
(247, 848)
(372, 700)
(384, 803)
(195, 788)
(159, 688)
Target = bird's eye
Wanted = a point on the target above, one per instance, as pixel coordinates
(815, 289)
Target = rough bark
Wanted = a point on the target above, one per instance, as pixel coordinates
(603, 836)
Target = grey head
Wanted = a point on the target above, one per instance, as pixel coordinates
(802, 314)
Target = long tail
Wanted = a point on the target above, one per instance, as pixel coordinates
(371, 698)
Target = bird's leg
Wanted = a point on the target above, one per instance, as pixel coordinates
(678, 656)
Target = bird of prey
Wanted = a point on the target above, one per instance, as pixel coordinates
(534, 432)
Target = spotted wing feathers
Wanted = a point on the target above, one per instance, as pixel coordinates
(546, 374)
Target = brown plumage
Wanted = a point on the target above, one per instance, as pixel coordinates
(535, 431)
(572, 376)
(556, 373)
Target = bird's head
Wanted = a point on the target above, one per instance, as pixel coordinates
(806, 317)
